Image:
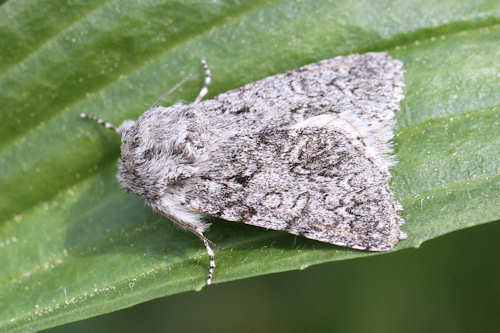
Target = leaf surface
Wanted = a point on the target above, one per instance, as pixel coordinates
(73, 245)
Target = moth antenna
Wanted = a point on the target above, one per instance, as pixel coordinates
(165, 95)
(208, 79)
(99, 121)
(211, 255)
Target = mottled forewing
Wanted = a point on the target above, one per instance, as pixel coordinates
(364, 89)
(313, 182)
(369, 86)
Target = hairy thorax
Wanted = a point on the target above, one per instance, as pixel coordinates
(162, 149)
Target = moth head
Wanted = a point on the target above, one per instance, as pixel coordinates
(128, 174)
(130, 164)
(161, 148)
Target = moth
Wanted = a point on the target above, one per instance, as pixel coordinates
(307, 152)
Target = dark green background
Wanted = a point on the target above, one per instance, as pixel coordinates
(448, 285)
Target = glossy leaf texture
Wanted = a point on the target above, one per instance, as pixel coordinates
(73, 245)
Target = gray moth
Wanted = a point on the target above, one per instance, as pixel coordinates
(307, 152)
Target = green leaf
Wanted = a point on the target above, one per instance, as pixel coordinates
(73, 245)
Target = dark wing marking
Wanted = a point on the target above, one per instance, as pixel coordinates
(313, 182)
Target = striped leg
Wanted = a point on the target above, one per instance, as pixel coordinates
(208, 79)
(99, 121)
(206, 241)
(211, 255)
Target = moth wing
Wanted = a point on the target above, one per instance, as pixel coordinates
(315, 182)
(364, 89)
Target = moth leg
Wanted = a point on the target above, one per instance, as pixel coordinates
(207, 242)
(211, 255)
(208, 79)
